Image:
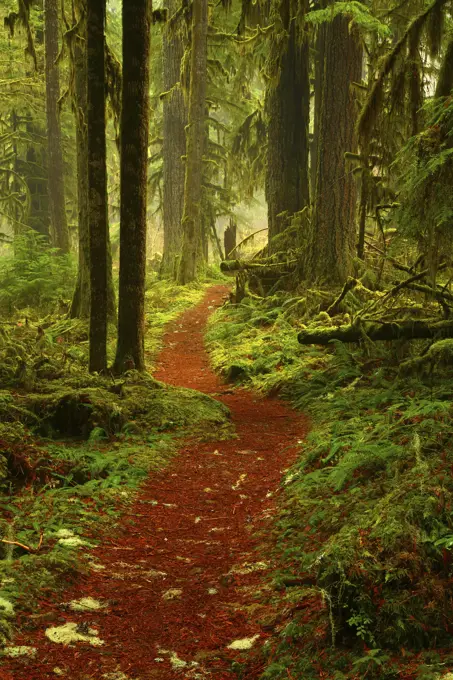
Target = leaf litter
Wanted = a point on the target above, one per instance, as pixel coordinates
(126, 636)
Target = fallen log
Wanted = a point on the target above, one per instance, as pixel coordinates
(260, 268)
(436, 294)
(411, 330)
(416, 277)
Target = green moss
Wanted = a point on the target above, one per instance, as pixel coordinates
(110, 436)
(164, 302)
(366, 517)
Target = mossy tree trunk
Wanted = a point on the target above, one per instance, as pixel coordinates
(363, 214)
(334, 212)
(58, 218)
(288, 114)
(97, 184)
(80, 307)
(318, 82)
(191, 255)
(229, 238)
(174, 142)
(134, 174)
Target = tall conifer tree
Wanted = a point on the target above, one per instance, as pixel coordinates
(196, 136)
(58, 219)
(174, 142)
(288, 113)
(133, 177)
(334, 211)
(97, 184)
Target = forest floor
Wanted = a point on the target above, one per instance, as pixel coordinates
(181, 589)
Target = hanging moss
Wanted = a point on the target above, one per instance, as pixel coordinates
(373, 103)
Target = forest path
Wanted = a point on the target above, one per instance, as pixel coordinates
(179, 578)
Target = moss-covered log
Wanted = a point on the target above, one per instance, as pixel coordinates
(439, 355)
(259, 268)
(378, 331)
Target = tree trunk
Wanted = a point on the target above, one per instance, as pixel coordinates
(362, 214)
(58, 219)
(319, 77)
(333, 224)
(134, 175)
(415, 329)
(97, 184)
(288, 112)
(191, 253)
(80, 307)
(174, 143)
(229, 237)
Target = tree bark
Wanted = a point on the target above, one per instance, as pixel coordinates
(80, 307)
(58, 218)
(229, 237)
(288, 112)
(378, 331)
(333, 224)
(174, 143)
(133, 178)
(318, 83)
(259, 268)
(97, 184)
(362, 214)
(191, 253)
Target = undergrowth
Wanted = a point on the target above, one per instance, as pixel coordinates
(74, 494)
(34, 277)
(365, 534)
(74, 447)
(165, 302)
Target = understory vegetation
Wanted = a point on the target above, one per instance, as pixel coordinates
(306, 149)
(364, 538)
(75, 446)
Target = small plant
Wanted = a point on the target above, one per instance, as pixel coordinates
(371, 662)
(34, 275)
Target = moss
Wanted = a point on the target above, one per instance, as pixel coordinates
(139, 402)
(439, 355)
(366, 514)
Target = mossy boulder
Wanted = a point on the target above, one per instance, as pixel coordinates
(140, 403)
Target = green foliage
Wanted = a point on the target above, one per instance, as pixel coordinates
(33, 275)
(164, 302)
(425, 166)
(359, 13)
(75, 490)
(366, 519)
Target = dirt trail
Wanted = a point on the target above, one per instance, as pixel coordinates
(180, 578)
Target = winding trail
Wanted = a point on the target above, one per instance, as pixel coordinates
(181, 576)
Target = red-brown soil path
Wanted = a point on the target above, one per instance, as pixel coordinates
(180, 576)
